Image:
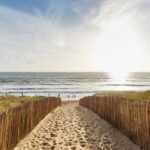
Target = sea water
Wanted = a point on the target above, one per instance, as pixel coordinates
(70, 85)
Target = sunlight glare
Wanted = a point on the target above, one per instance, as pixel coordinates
(120, 76)
(117, 50)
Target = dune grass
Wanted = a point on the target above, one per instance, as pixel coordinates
(128, 95)
(7, 102)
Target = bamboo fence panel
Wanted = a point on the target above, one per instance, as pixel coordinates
(16, 123)
(131, 117)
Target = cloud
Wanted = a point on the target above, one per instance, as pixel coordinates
(64, 37)
(26, 39)
(118, 26)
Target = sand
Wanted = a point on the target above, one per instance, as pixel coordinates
(71, 127)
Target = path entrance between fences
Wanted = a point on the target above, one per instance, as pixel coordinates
(72, 127)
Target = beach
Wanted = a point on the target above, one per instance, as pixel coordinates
(74, 127)
(70, 85)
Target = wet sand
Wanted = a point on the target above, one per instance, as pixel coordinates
(71, 127)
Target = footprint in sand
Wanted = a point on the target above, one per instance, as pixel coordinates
(71, 127)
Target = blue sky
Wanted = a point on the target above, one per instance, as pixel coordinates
(74, 35)
(66, 10)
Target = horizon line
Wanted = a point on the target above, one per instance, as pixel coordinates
(69, 71)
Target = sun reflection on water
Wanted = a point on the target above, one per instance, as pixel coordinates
(119, 76)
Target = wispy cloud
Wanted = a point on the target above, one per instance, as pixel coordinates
(113, 10)
(123, 25)
(25, 39)
(63, 37)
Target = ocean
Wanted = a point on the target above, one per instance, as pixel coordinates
(70, 85)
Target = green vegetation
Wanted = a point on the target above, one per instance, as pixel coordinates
(7, 102)
(128, 95)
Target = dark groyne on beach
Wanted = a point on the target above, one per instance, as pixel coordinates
(131, 117)
(16, 123)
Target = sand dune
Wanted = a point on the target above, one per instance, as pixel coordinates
(72, 127)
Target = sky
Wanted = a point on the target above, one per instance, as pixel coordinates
(75, 35)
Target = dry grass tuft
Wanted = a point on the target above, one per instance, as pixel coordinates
(128, 95)
(7, 102)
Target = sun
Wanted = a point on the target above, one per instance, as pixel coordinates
(117, 50)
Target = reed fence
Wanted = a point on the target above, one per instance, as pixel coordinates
(16, 123)
(131, 117)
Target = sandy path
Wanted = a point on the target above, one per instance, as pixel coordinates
(72, 127)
